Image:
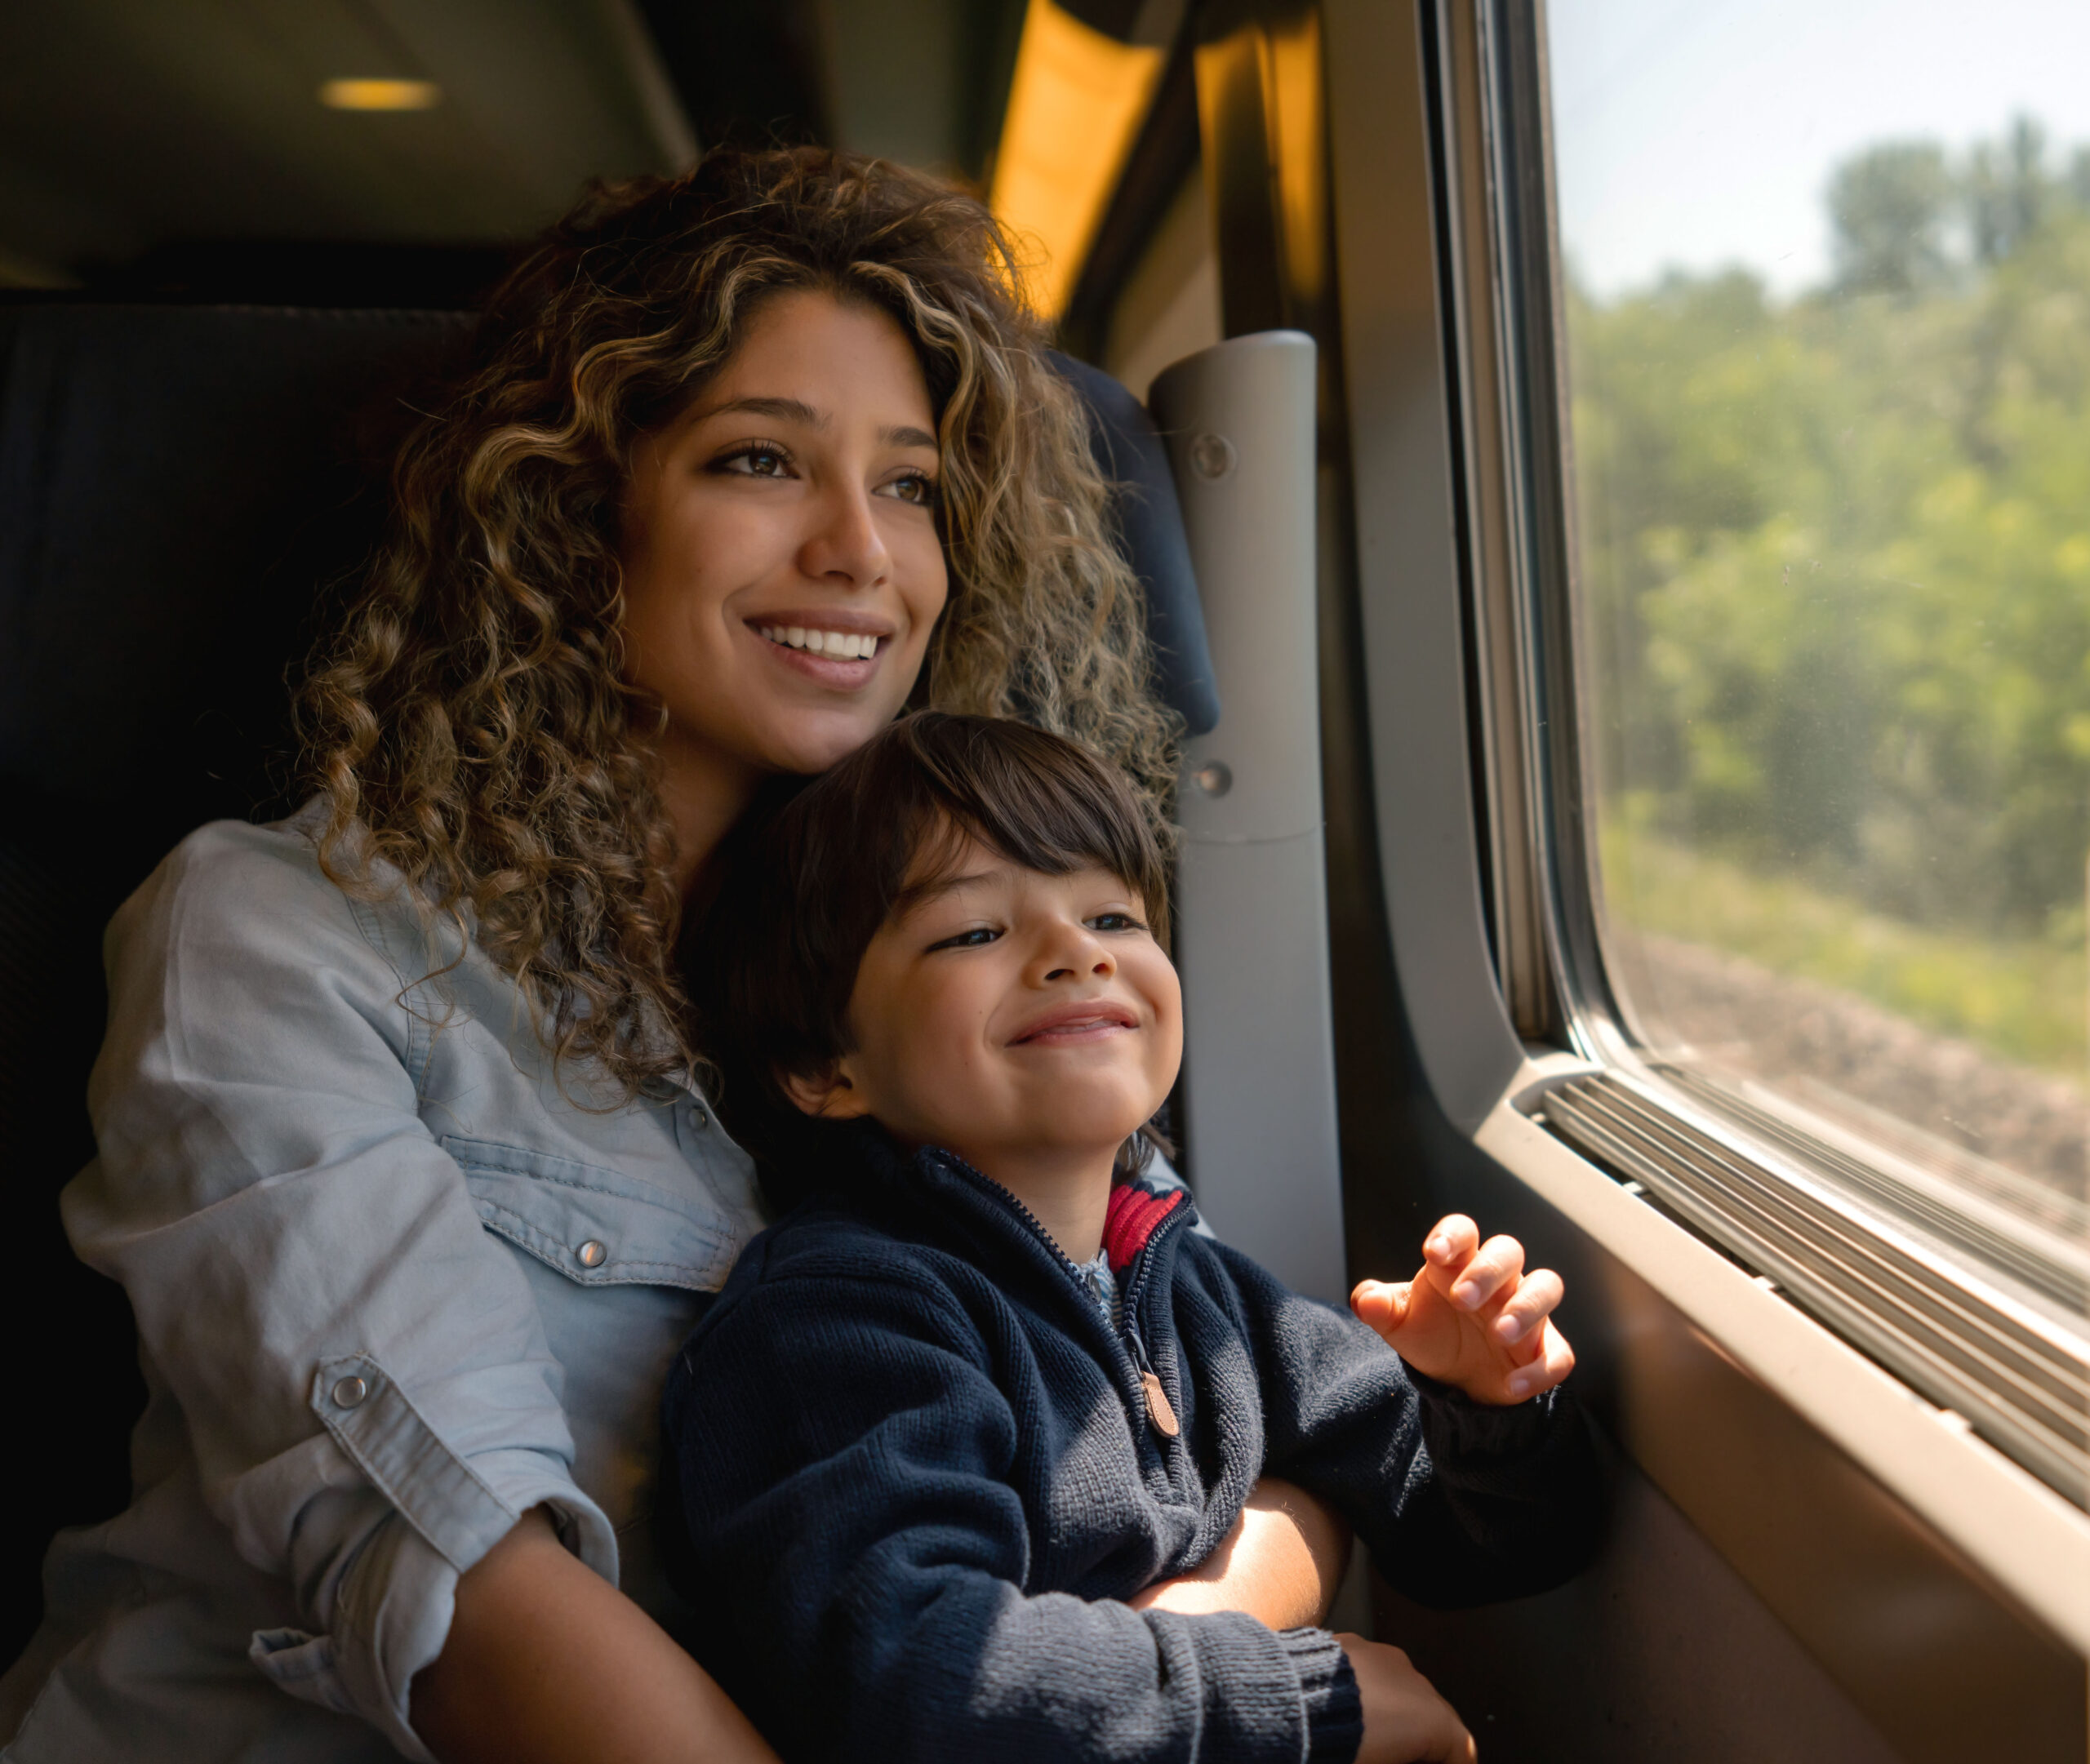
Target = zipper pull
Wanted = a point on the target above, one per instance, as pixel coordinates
(1159, 1409)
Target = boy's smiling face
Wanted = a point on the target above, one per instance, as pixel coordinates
(1019, 1020)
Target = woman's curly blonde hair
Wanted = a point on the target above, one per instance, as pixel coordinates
(470, 725)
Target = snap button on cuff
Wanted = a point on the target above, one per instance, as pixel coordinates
(591, 1254)
(348, 1392)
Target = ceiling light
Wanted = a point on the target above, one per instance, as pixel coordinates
(379, 94)
(1078, 99)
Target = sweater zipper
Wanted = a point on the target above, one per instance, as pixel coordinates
(1134, 1290)
(1132, 1350)
(1135, 1287)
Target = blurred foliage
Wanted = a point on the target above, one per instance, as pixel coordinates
(2019, 997)
(1835, 557)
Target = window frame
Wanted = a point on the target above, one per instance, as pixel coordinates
(1463, 617)
(1539, 695)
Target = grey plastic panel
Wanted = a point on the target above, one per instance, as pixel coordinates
(1252, 942)
(1408, 580)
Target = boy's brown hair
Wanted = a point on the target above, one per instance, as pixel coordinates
(802, 892)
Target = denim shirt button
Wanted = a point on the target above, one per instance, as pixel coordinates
(348, 1392)
(591, 1253)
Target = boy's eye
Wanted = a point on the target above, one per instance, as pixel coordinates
(1115, 922)
(978, 938)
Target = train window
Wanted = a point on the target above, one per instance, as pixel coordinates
(1820, 275)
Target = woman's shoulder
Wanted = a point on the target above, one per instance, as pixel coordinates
(261, 892)
(272, 856)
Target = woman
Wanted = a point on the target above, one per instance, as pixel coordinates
(404, 1159)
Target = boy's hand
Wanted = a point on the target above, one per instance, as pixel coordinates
(1472, 1316)
(1406, 1721)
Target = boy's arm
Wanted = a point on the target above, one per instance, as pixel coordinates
(841, 1455)
(1459, 1502)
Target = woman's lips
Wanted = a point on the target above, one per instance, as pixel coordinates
(837, 649)
(1090, 1019)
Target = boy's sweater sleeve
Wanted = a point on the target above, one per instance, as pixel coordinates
(1459, 1502)
(856, 1561)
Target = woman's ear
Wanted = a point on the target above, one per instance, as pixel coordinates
(829, 1094)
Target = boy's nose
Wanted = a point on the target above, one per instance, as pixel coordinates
(1070, 957)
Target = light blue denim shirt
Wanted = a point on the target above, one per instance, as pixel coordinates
(392, 1290)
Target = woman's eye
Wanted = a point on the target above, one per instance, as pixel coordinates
(916, 489)
(757, 462)
(978, 938)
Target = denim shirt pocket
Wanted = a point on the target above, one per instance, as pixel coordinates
(596, 1226)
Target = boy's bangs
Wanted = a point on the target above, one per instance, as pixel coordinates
(940, 850)
(1037, 811)
(934, 842)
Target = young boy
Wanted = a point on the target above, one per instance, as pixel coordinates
(986, 1383)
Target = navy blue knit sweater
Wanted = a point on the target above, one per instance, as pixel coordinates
(919, 1469)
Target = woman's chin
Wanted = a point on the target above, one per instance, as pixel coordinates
(817, 744)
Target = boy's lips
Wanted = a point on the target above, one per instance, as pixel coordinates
(1083, 1020)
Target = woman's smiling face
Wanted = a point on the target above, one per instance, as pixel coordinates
(782, 565)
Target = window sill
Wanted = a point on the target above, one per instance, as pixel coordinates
(2008, 1526)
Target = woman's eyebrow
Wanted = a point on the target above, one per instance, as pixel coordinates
(784, 410)
(797, 410)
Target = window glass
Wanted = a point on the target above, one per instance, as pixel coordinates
(1827, 301)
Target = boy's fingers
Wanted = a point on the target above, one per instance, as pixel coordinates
(1452, 1238)
(1449, 1248)
(1495, 1268)
(1555, 1360)
(1381, 1303)
(1534, 1301)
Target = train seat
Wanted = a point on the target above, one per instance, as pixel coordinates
(185, 495)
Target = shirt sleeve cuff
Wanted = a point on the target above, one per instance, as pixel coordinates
(397, 1606)
(462, 1506)
(392, 1615)
(1334, 1712)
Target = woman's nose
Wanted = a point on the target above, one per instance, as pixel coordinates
(845, 545)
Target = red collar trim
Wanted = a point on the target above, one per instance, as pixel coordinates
(1134, 1213)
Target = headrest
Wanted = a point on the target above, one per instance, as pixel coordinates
(1135, 460)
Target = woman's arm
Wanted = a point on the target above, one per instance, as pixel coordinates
(1282, 1563)
(361, 1369)
(546, 1660)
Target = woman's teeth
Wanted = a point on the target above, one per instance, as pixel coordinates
(846, 646)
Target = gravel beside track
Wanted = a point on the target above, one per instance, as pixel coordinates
(1806, 1039)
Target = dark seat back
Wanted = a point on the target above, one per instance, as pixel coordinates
(174, 484)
